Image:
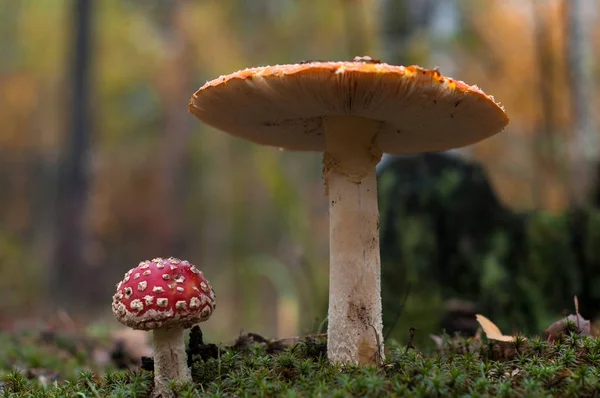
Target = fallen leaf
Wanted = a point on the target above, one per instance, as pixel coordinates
(558, 329)
(492, 331)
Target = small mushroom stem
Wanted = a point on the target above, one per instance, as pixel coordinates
(354, 321)
(170, 360)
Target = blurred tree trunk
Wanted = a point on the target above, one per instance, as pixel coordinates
(545, 140)
(355, 30)
(583, 148)
(396, 30)
(175, 88)
(71, 266)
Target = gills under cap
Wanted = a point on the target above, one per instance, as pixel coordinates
(284, 105)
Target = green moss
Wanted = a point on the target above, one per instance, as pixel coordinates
(463, 367)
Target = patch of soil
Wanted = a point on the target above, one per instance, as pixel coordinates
(315, 346)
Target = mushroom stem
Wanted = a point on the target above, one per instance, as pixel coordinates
(170, 360)
(354, 322)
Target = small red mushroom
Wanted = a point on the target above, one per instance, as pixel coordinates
(166, 296)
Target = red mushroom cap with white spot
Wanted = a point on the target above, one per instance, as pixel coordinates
(163, 293)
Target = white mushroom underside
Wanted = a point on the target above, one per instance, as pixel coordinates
(419, 114)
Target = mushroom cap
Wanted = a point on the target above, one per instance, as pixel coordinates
(162, 293)
(284, 105)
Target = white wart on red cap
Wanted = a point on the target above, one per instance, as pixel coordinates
(285, 105)
(162, 293)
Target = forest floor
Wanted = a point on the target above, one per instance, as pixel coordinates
(49, 362)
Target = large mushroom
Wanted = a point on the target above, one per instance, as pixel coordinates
(165, 296)
(353, 112)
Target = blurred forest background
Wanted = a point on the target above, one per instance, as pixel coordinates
(102, 166)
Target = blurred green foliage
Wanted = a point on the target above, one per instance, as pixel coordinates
(446, 236)
(240, 212)
(252, 218)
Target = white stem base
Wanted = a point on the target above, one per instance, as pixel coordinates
(170, 361)
(355, 321)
